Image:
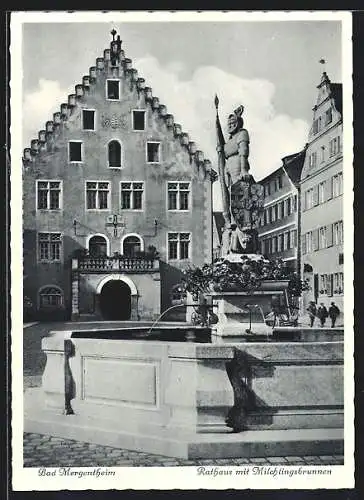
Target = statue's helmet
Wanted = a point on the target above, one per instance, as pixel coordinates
(235, 121)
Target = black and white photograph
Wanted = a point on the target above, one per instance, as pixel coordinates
(180, 187)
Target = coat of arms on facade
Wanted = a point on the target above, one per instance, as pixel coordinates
(114, 121)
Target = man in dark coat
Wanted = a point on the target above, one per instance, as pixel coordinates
(334, 312)
(322, 314)
(311, 312)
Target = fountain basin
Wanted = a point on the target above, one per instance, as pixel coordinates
(173, 398)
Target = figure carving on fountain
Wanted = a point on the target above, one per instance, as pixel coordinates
(242, 197)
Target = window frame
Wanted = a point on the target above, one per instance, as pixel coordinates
(159, 151)
(124, 181)
(48, 209)
(119, 89)
(82, 151)
(102, 210)
(50, 261)
(39, 293)
(83, 122)
(178, 197)
(144, 111)
(178, 258)
(115, 139)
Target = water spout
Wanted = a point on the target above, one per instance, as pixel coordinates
(163, 313)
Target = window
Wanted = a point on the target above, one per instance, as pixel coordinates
(267, 189)
(114, 154)
(113, 89)
(75, 151)
(271, 214)
(338, 233)
(132, 245)
(309, 242)
(88, 119)
(276, 211)
(295, 203)
(153, 152)
(49, 247)
(280, 182)
(322, 151)
(138, 120)
(179, 246)
(281, 242)
(274, 244)
(50, 296)
(48, 195)
(321, 192)
(309, 198)
(326, 282)
(338, 283)
(293, 238)
(97, 195)
(131, 195)
(319, 123)
(322, 237)
(315, 127)
(288, 206)
(282, 209)
(328, 116)
(335, 146)
(286, 241)
(337, 185)
(97, 246)
(178, 195)
(313, 160)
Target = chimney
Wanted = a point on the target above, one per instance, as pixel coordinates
(42, 135)
(49, 126)
(163, 110)
(184, 139)
(100, 63)
(27, 155)
(57, 117)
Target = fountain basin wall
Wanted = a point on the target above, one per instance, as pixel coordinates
(161, 396)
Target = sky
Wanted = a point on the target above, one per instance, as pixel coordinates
(272, 68)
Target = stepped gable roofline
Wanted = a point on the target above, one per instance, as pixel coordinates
(120, 67)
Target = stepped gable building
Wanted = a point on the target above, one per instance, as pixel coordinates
(117, 201)
(322, 202)
(279, 227)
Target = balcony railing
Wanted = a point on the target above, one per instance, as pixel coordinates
(109, 264)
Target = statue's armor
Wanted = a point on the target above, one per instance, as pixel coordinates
(236, 153)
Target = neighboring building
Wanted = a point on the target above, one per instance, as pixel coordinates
(279, 225)
(322, 202)
(112, 174)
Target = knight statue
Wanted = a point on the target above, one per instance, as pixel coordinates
(242, 197)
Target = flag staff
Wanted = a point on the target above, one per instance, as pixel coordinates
(221, 167)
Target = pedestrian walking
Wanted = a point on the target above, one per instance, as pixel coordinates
(312, 312)
(322, 314)
(334, 312)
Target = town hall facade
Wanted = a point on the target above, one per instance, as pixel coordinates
(117, 201)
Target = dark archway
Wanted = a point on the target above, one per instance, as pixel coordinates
(115, 300)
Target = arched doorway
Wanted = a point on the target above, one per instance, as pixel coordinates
(115, 300)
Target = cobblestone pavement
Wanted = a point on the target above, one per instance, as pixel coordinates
(46, 451)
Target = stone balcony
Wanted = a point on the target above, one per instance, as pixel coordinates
(115, 264)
